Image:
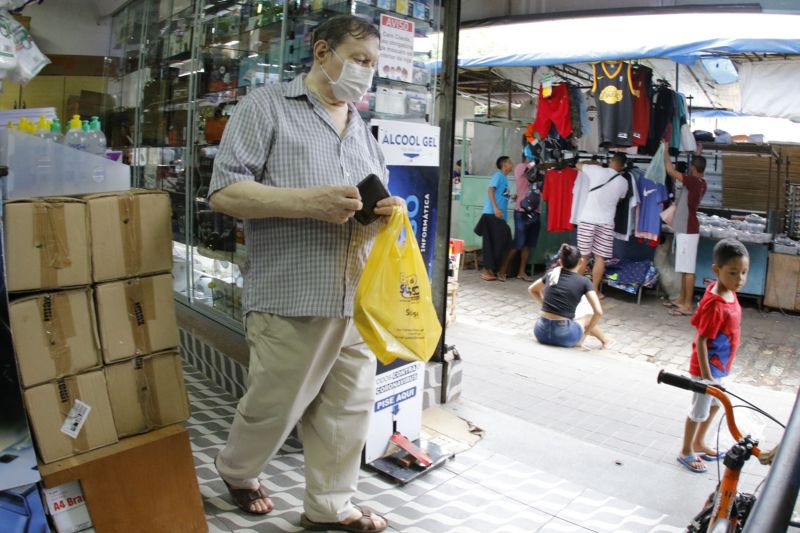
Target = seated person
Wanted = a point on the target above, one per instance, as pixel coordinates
(560, 291)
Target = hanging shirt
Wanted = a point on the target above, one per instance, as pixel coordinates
(720, 322)
(642, 79)
(613, 90)
(652, 196)
(601, 204)
(557, 193)
(500, 184)
(660, 117)
(590, 141)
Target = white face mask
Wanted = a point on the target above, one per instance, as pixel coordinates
(353, 82)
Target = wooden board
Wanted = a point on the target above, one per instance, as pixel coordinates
(783, 282)
(144, 483)
(751, 182)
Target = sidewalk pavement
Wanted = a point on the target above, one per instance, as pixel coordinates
(578, 414)
(768, 356)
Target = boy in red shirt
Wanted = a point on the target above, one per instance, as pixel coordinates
(718, 321)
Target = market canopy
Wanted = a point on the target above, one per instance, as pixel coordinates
(681, 37)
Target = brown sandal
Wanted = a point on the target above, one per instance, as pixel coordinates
(244, 498)
(365, 523)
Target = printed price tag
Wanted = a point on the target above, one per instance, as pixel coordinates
(547, 85)
(75, 419)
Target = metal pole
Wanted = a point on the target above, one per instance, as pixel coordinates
(447, 96)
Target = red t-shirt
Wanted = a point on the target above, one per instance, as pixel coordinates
(557, 192)
(720, 322)
(696, 188)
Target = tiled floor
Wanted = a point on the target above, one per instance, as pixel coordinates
(478, 492)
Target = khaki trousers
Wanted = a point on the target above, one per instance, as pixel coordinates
(316, 371)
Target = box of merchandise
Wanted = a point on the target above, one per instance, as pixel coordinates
(47, 244)
(70, 416)
(55, 335)
(147, 393)
(131, 233)
(136, 317)
(67, 505)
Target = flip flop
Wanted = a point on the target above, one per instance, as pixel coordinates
(679, 312)
(525, 278)
(712, 458)
(687, 462)
(243, 498)
(364, 523)
(669, 304)
(484, 277)
(501, 278)
(611, 343)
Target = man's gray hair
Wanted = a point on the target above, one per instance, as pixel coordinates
(336, 29)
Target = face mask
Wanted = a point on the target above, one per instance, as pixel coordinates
(353, 82)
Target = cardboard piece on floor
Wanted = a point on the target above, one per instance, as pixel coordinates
(49, 405)
(147, 393)
(136, 317)
(131, 233)
(452, 433)
(55, 335)
(47, 244)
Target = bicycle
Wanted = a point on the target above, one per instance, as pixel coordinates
(726, 509)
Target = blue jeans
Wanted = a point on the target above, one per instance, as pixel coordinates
(564, 332)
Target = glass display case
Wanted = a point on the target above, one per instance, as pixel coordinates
(176, 70)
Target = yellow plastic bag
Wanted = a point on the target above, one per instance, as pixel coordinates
(393, 308)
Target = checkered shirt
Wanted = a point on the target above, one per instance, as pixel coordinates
(282, 136)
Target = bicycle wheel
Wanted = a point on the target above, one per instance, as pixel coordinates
(699, 523)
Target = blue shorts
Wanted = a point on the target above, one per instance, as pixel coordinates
(564, 332)
(526, 233)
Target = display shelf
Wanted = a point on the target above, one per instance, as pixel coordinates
(177, 76)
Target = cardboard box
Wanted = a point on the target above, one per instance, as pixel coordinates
(51, 405)
(47, 244)
(147, 393)
(131, 233)
(136, 317)
(67, 505)
(55, 335)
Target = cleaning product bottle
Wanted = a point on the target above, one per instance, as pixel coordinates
(42, 130)
(55, 132)
(96, 143)
(75, 136)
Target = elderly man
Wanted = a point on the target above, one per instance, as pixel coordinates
(289, 162)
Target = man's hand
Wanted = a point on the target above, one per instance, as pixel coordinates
(334, 204)
(498, 213)
(385, 207)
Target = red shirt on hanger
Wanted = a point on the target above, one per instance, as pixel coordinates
(557, 192)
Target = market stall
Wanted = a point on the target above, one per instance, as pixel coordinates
(666, 80)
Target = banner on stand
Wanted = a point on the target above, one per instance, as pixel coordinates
(412, 155)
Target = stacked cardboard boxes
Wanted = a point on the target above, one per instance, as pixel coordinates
(94, 326)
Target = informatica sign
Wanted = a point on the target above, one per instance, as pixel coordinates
(412, 155)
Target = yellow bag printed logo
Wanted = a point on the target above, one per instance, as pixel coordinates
(393, 307)
(611, 95)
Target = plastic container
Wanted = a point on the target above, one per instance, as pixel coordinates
(63, 171)
(96, 139)
(42, 128)
(55, 132)
(76, 138)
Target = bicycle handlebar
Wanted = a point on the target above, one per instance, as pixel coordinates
(683, 382)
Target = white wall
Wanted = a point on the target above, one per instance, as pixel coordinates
(73, 27)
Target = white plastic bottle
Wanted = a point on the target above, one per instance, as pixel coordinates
(76, 138)
(96, 143)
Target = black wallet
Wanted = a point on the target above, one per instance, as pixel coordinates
(372, 191)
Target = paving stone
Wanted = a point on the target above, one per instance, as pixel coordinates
(651, 351)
